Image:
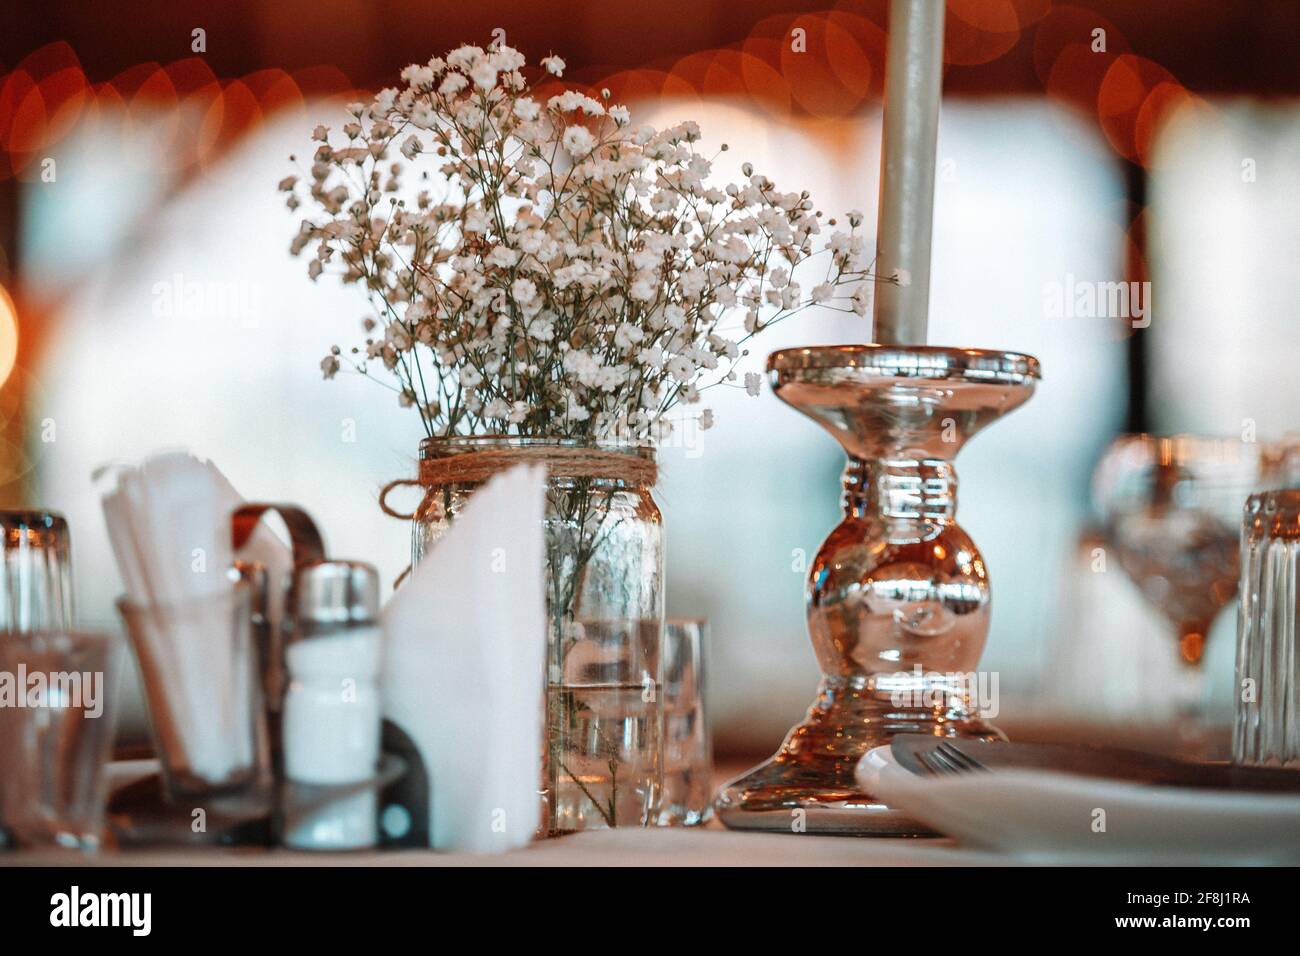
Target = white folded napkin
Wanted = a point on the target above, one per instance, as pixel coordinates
(464, 666)
(169, 525)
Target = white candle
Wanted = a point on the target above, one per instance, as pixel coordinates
(913, 85)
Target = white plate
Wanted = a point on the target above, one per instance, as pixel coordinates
(1047, 815)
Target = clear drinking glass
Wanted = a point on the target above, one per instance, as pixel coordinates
(56, 735)
(1171, 509)
(604, 596)
(1266, 730)
(199, 666)
(688, 749)
(603, 722)
(37, 585)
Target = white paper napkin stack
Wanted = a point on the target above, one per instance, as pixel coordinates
(169, 524)
(464, 666)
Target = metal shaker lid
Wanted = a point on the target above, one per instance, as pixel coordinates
(333, 594)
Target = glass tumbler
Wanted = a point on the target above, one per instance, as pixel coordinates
(1266, 729)
(604, 741)
(37, 584)
(56, 735)
(198, 662)
(687, 798)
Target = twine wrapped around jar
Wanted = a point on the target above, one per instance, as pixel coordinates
(475, 466)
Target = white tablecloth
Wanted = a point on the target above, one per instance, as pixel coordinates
(708, 846)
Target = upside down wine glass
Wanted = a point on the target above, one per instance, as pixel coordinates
(898, 595)
(1171, 508)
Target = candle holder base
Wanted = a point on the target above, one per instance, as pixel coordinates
(809, 785)
(898, 595)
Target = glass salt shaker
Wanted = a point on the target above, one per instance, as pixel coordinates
(331, 718)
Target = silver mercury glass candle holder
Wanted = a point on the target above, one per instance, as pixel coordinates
(898, 595)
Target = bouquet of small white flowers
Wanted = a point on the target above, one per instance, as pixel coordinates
(560, 273)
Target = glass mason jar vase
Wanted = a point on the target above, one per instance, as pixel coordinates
(602, 758)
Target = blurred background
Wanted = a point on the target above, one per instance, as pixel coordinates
(148, 300)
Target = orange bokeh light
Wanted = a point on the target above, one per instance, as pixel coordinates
(1125, 88)
(1162, 105)
(8, 335)
(828, 65)
(765, 83)
(1073, 49)
(979, 31)
(829, 61)
(630, 86)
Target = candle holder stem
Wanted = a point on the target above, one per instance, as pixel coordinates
(898, 596)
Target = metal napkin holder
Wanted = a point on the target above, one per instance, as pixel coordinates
(306, 546)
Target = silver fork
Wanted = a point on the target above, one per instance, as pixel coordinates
(947, 759)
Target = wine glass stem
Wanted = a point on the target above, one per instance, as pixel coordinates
(1190, 689)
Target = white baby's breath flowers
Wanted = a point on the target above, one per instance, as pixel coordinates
(559, 272)
(578, 141)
